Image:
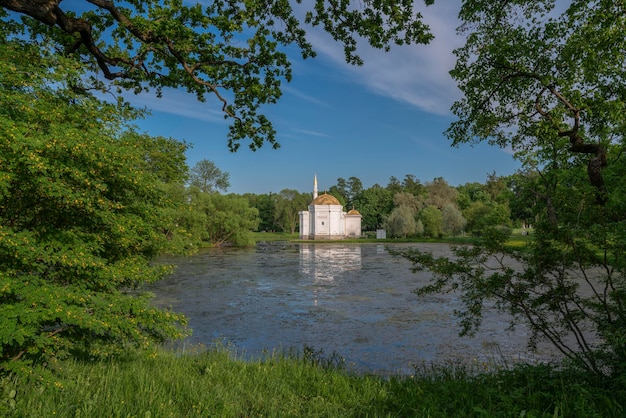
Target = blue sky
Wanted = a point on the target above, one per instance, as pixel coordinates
(384, 119)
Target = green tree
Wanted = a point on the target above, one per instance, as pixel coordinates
(265, 204)
(289, 203)
(80, 218)
(432, 219)
(440, 193)
(232, 52)
(408, 199)
(470, 193)
(498, 188)
(374, 204)
(523, 196)
(419, 228)
(394, 185)
(453, 221)
(229, 218)
(550, 85)
(206, 176)
(164, 157)
(348, 190)
(184, 227)
(401, 222)
(412, 185)
(481, 216)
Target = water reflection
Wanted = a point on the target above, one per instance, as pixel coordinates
(325, 262)
(355, 300)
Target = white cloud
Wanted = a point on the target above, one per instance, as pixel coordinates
(179, 102)
(311, 133)
(306, 97)
(416, 74)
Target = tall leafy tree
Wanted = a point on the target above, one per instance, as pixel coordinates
(394, 185)
(498, 188)
(229, 218)
(164, 157)
(348, 190)
(470, 193)
(80, 218)
(374, 204)
(401, 222)
(432, 219)
(481, 216)
(453, 221)
(288, 203)
(266, 206)
(183, 226)
(549, 83)
(229, 51)
(408, 199)
(440, 193)
(412, 185)
(531, 84)
(206, 176)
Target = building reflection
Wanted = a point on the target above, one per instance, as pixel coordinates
(325, 262)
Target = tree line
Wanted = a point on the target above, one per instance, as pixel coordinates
(407, 208)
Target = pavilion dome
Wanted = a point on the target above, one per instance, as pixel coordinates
(353, 212)
(325, 199)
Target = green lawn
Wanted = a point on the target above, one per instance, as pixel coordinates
(517, 239)
(213, 383)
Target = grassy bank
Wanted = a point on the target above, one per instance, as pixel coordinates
(213, 383)
(517, 239)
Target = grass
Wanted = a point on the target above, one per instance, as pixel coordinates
(274, 236)
(516, 240)
(215, 383)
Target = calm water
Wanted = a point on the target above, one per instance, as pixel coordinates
(354, 300)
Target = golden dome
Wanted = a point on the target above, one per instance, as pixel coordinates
(325, 199)
(353, 212)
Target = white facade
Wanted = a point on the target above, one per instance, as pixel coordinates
(353, 224)
(326, 220)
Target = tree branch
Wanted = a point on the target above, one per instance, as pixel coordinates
(577, 143)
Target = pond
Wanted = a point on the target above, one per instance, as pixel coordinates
(353, 300)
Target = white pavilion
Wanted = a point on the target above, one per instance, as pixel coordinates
(326, 220)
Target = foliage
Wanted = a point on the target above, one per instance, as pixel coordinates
(163, 157)
(351, 189)
(232, 52)
(80, 215)
(411, 184)
(374, 204)
(549, 84)
(419, 228)
(481, 216)
(184, 227)
(452, 219)
(440, 193)
(401, 222)
(288, 204)
(539, 80)
(206, 176)
(470, 193)
(409, 200)
(432, 218)
(229, 218)
(265, 204)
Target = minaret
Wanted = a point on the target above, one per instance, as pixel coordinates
(314, 186)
